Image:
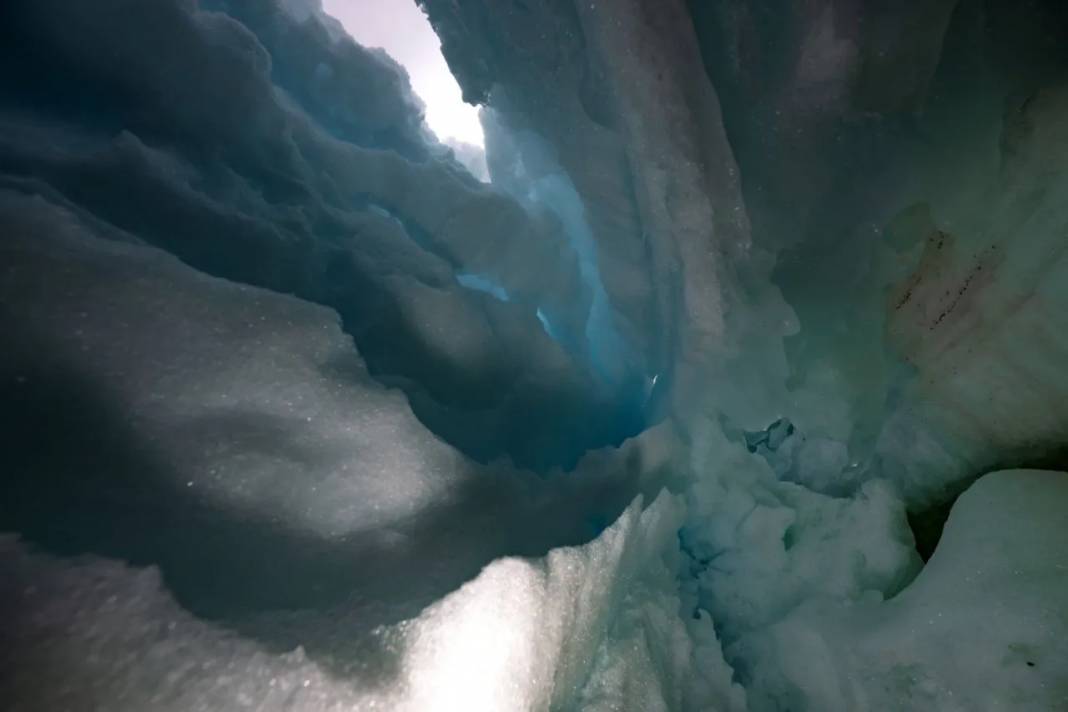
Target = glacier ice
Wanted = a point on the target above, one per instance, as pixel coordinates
(664, 411)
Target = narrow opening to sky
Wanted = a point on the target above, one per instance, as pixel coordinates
(401, 28)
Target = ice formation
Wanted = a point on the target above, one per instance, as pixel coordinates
(688, 403)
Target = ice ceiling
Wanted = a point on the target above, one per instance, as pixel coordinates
(738, 386)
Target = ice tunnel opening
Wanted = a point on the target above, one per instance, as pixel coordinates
(402, 30)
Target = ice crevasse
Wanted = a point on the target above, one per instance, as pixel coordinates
(738, 385)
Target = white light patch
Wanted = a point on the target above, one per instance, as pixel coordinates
(402, 30)
(483, 648)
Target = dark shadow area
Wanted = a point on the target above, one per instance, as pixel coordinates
(927, 522)
(926, 525)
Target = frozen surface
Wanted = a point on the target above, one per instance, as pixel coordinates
(979, 628)
(357, 422)
(284, 416)
(593, 627)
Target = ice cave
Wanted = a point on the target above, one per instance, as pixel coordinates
(534, 355)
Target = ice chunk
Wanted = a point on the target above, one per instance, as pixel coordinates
(760, 546)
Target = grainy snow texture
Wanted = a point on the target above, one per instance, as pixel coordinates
(663, 411)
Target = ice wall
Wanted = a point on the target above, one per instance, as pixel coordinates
(233, 438)
(888, 150)
(838, 118)
(852, 234)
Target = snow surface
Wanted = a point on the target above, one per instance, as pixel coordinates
(299, 414)
(977, 629)
(593, 627)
